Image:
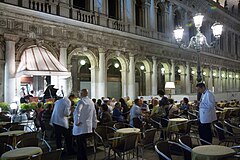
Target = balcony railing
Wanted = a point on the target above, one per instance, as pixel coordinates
(92, 17)
(84, 16)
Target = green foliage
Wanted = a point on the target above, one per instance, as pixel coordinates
(47, 103)
(28, 106)
(5, 106)
(75, 100)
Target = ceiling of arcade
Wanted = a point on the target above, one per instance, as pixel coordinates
(51, 35)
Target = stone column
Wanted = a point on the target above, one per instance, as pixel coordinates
(219, 86)
(130, 10)
(170, 25)
(124, 82)
(228, 81)
(102, 91)
(152, 16)
(93, 82)
(166, 19)
(74, 73)
(210, 79)
(172, 71)
(63, 60)
(167, 75)
(63, 8)
(131, 77)
(10, 68)
(187, 82)
(186, 28)
(146, 15)
(148, 83)
(154, 76)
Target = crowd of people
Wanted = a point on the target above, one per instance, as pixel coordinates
(88, 113)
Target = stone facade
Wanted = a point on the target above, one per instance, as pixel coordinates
(102, 40)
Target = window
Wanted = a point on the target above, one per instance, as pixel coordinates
(229, 42)
(82, 4)
(236, 45)
(113, 9)
(177, 19)
(160, 18)
(222, 41)
(139, 13)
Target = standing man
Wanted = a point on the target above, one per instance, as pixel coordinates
(59, 120)
(207, 112)
(85, 121)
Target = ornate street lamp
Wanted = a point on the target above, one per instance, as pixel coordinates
(199, 40)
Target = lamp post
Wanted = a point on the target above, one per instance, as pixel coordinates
(199, 40)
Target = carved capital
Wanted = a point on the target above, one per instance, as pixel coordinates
(11, 37)
(63, 44)
(101, 50)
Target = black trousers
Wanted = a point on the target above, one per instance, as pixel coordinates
(205, 132)
(59, 131)
(82, 146)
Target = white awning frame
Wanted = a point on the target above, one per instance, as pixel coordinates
(39, 61)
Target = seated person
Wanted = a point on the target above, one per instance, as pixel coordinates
(155, 107)
(173, 110)
(136, 114)
(117, 114)
(184, 107)
(105, 117)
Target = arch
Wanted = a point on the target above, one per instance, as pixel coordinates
(28, 43)
(84, 52)
(146, 62)
(166, 66)
(120, 57)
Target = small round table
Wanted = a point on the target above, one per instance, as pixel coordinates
(211, 152)
(13, 135)
(173, 124)
(21, 153)
(127, 130)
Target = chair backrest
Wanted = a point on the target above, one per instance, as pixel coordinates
(3, 130)
(137, 123)
(163, 151)
(148, 137)
(26, 135)
(120, 125)
(186, 140)
(167, 148)
(34, 142)
(105, 132)
(53, 155)
(219, 130)
(4, 147)
(127, 142)
(16, 127)
(27, 142)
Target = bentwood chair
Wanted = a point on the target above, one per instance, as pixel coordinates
(165, 150)
(102, 135)
(125, 145)
(147, 139)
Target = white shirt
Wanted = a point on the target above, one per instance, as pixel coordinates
(135, 112)
(207, 111)
(85, 114)
(61, 112)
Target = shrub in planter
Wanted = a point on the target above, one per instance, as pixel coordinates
(5, 106)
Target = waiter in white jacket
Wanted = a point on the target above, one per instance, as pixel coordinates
(207, 113)
(85, 121)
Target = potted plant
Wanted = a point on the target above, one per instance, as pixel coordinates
(4, 106)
